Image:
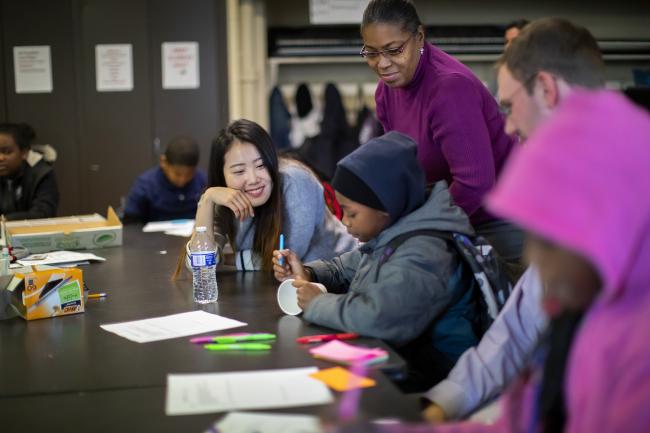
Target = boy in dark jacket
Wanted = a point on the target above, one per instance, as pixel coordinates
(27, 191)
(403, 296)
(170, 191)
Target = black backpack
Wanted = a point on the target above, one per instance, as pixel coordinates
(489, 269)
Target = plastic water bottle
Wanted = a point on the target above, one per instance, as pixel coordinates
(204, 264)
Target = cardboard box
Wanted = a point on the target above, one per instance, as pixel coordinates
(40, 292)
(67, 233)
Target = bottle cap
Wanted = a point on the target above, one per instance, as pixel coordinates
(201, 229)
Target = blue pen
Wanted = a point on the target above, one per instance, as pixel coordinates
(281, 248)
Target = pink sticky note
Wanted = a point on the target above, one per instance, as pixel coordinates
(343, 352)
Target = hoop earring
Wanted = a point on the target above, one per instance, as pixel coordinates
(421, 50)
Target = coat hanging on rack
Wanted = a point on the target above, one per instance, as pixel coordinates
(279, 120)
(335, 139)
(306, 123)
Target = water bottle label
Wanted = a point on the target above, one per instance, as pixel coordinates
(203, 259)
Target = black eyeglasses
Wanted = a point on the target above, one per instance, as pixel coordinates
(388, 52)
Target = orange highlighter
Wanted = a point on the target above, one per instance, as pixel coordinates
(326, 337)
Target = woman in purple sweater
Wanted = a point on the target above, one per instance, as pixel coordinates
(430, 96)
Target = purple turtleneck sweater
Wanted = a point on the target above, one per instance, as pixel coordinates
(456, 123)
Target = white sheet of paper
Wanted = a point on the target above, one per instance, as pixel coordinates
(180, 65)
(72, 264)
(252, 422)
(33, 69)
(173, 326)
(265, 389)
(184, 232)
(164, 226)
(336, 11)
(114, 67)
(58, 257)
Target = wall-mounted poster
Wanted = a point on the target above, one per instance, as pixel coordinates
(180, 65)
(114, 67)
(33, 69)
(336, 11)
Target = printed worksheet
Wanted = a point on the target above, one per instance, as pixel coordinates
(59, 257)
(256, 422)
(189, 394)
(174, 326)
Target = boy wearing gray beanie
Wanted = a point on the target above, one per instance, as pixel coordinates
(403, 296)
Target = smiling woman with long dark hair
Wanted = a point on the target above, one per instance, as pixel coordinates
(253, 196)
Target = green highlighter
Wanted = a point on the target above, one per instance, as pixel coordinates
(227, 339)
(240, 346)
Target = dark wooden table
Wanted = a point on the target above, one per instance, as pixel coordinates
(67, 374)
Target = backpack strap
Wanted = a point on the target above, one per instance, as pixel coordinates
(494, 288)
(399, 240)
(489, 270)
(394, 243)
(477, 257)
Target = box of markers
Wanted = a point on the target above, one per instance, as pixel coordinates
(38, 292)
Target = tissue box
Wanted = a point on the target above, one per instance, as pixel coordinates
(40, 292)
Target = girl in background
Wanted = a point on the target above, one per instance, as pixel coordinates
(28, 188)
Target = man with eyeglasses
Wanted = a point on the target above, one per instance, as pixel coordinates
(536, 76)
(543, 65)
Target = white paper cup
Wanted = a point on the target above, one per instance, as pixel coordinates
(288, 299)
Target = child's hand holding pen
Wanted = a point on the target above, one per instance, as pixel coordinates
(286, 264)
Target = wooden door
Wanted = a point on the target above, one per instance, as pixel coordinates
(116, 126)
(200, 112)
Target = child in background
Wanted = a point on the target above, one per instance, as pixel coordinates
(419, 299)
(171, 190)
(253, 197)
(28, 190)
(512, 30)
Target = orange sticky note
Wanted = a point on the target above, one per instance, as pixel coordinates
(340, 379)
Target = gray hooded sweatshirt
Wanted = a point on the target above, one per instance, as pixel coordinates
(399, 300)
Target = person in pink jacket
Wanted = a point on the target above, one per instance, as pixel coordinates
(580, 188)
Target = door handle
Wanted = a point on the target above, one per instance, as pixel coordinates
(156, 146)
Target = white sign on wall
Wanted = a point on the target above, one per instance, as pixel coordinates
(33, 69)
(336, 11)
(114, 67)
(180, 65)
